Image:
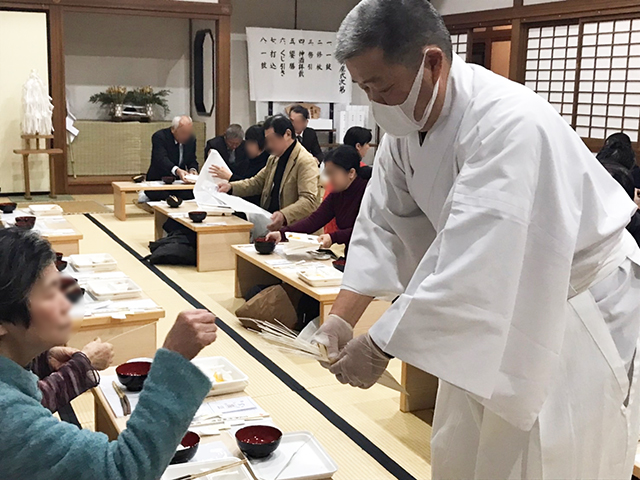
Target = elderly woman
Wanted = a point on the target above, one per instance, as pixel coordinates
(34, 317)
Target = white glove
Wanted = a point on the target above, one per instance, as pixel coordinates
(334, 334)
(361, 363)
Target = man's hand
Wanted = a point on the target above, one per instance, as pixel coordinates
(99, 353)
(325, 241)
(224, 187)
(58, 356)
(274, 237)
(220, 172)
(277, 221)
(361, 363)
(334, 334)
(181, 174)
(193, 171)
(193, 330)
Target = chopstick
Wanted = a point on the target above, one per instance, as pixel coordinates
(193, 476)
(124, 400)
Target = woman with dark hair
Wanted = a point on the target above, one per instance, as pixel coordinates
(624, 178)
(34, 317)
(257, 156)
(619, 149)
(359, 138)
(342, 166)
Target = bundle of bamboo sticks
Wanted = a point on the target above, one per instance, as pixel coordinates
(287, 341)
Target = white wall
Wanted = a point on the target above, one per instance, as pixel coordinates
(322, 15)
(449, 7)
(23, 47)
(134, 51)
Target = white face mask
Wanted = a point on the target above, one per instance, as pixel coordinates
(398, 120)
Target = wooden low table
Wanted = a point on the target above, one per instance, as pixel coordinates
(252, 269)
(133, 332)
(215, 235)
(108, 423)
(135, 340)
(64, 242)
(120, 190)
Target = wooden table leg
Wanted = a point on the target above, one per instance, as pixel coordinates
(422, 388)
(27, 182)
(325, 308)
(158, 221)
(102, 421)
(249, 275)
(52, 176)
(120, 204)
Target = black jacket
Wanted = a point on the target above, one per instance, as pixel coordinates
(218, 143)
(311, 144)
(248, 169)
(165, 154)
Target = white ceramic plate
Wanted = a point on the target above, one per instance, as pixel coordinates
(238, 473)
(310, 460)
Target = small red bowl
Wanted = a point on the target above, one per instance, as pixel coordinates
(264, 246)
(197, 217)
(133, 374)
(169, 179)
(190, 442)
(258, 441)
(61, 265)
(25, 223)
(8, 207)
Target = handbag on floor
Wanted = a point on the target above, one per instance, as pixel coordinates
(271, 302)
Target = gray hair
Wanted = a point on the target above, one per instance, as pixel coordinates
(180, 120)
(234, 131)
(400, 28)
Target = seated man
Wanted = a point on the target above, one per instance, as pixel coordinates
(288, 185)
(257, 157)
(173, 152)
(230, 146)
(306, 135)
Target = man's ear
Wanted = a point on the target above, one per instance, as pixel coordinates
(3, 330)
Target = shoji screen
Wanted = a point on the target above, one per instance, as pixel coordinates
(590, 72)
(459, 41)
(609, 90)
(552, 54)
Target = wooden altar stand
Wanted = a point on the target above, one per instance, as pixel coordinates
(46, 150)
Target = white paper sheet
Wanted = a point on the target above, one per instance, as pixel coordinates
(216, 159)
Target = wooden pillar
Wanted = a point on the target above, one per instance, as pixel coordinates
(518, 51)
(57, 85)
(223, 74)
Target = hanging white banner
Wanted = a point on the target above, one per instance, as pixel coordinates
(295, 65)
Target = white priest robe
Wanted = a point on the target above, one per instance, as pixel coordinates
(518, 286)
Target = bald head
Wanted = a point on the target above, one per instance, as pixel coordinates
(182, 128)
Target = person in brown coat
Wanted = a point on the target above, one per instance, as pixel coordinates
(289, 183)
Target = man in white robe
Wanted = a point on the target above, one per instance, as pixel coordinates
(504, 241)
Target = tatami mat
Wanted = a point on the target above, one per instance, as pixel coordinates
(374, 412)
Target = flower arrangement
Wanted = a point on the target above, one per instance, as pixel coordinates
(114, 95)
(143, 96)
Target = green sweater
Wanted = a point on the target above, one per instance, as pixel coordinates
(34, 445)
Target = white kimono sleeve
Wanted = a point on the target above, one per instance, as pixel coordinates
(391, 234)
(485, 308)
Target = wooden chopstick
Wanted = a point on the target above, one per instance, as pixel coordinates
(193, 476)
(124, 400)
